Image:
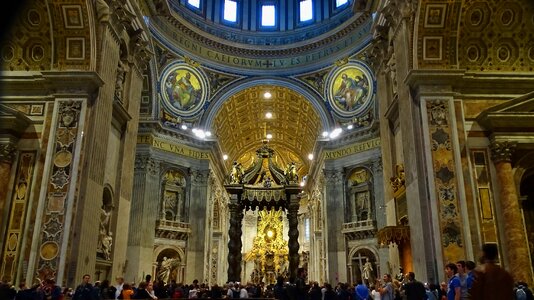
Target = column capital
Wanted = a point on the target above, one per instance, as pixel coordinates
(502, 150)
(8, 152)
(334, 176)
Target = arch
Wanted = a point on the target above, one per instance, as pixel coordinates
(107, 193)
(160, 249)
(371, 258)
(355, 249)
(317, 103)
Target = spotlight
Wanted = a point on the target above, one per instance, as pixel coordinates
(269, 136)
(225, 157)
(310, 156)
(268, 115)
(267, 95)
(184, 127)
(334, 134)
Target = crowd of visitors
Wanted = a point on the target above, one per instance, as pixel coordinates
(466, 280)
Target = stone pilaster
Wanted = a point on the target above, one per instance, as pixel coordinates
(143, 215)
(196, 244)
(335, 241)
(234, 243)
(514, 235)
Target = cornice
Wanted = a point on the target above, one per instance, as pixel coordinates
(49, 82)
(272, 51)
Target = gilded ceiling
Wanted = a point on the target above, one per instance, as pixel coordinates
(240, 126)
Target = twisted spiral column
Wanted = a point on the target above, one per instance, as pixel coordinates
(234, 244)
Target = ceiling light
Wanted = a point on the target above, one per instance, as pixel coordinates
(199, 133)
(350, 127)
(334, 134)
(267, 95)
(269, 136)
(208, 133)
(268, 115)
(184, 127)
(225, 157)
(325, 133)
(302, 183)
(310, 156)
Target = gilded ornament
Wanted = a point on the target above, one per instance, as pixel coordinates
(62, 158)
(49, 250)
(12, 242)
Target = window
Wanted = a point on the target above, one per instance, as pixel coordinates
(230, 11)
(306, 10)
(341, 3)
(268, 13)
(194, 3)
(307, 229)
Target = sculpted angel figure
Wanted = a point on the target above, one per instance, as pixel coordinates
(291, 172)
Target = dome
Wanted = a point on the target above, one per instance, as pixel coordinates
(290, 36)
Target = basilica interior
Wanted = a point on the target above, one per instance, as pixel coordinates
(240, 140)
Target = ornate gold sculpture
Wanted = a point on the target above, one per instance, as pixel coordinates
(269, 251)
(397, 182)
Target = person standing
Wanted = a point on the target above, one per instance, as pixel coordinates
(454, 288)
(361, 291)
(414, 289)
(119, 286)
(491, 281)
(462, 275)
(300, 283)
(84, 291)
(386, 292)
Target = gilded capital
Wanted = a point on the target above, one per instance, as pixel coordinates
(502, 151)
(7, 152)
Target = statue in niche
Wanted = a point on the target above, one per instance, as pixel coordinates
(166, 268)
(170, 205)
(362, 206)
(105, 238)
(119, 82)
(367, 270)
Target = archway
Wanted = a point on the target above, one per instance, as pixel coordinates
(363, 266)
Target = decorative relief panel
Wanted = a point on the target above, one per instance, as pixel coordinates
(497, 35)
(71, 30)
(446, 188)
(437, 42)
(67, 131)
(19, 201)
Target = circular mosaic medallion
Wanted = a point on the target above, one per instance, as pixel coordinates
(62, 158)
(49, 250)
(350, 89)
(183, 89)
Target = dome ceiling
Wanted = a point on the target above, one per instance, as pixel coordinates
(240, 126)
(247, 50)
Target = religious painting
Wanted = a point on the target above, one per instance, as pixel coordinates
(182, 89)
(350, 89)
